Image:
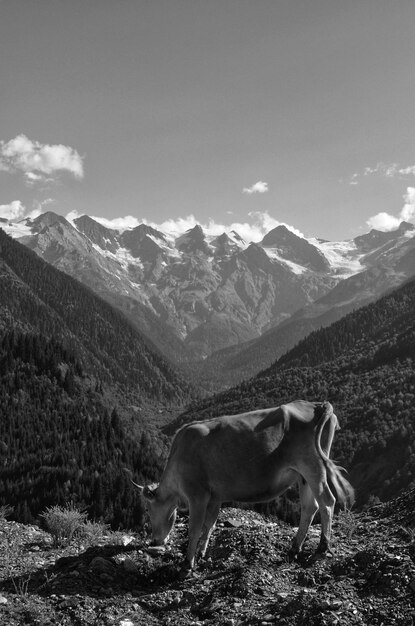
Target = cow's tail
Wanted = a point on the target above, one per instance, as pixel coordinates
(339, 486)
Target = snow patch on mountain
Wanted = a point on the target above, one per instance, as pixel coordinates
(343, 256)
(274, 255)
(122, 256)
(166, 246)
(17, 229)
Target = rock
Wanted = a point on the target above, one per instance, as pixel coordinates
(336, 604)
(126, 540)
(232, 523)
(99, 565)
(3, 600)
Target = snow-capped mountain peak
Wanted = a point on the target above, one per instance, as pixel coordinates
(211, 291)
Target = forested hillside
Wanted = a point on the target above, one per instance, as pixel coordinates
(363, 364)
(61, 441)
(36, 296)
(78, 389)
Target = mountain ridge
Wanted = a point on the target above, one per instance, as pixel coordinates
(196, 294)
(46, 300)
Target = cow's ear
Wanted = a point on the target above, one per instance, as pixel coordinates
(139, 487)
(149, 492)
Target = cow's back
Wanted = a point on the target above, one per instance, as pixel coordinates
(234, 456)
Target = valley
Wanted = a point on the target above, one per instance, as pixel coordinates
(68, 353)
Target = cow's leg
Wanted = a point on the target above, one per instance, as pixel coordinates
(326, 503)
(309, 508)
(197, 514)
(211, 516)
(317, 480)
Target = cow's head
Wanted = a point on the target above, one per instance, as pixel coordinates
(162, 512)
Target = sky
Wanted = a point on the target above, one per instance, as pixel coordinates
(227, 113)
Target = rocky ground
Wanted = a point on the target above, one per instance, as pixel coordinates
(246, 578)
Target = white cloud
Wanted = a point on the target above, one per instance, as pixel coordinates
(260, 224)
(13, 211)
(119, 223)
(410, 170)
(266, 223)
(389, 170)
(383, 221)
(408, 210)
(16, 211)
(39, 162)
(386, 221)
(259, 187)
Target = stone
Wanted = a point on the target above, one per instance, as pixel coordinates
(232, 523)
(126, 540)
(99, 565)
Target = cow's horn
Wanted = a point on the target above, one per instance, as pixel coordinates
(139, 487)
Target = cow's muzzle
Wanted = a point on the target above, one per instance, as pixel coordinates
(158, 544)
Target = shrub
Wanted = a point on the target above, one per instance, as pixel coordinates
(63, 523)
(347, 523)
(93, 532)
(5, 511)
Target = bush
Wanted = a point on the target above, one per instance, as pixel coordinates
(63, 523)
(347, 523)
(5, 511)
(93, 532)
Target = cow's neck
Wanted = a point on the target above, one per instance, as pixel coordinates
(168, 492)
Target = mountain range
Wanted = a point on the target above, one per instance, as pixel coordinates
(229, 305)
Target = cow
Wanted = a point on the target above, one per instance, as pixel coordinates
(249, 457)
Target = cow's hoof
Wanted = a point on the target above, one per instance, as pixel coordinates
(319, 555)
(293, 554)
(187, 572)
